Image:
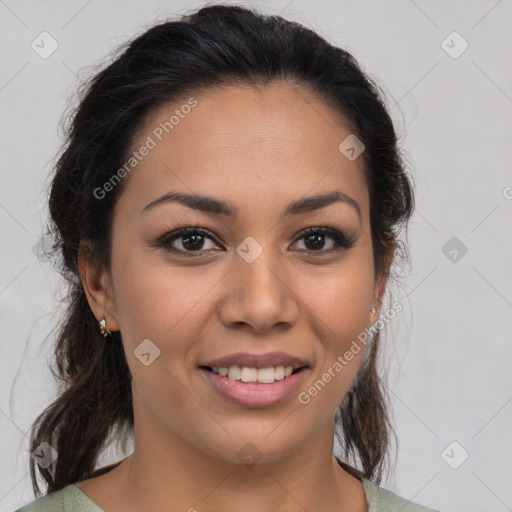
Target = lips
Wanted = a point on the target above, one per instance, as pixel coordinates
(255, 380)
(255, 394)
(248, 360)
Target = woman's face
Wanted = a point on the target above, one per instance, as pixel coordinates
(254, 284)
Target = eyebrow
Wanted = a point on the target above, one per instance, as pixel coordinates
(215, 206)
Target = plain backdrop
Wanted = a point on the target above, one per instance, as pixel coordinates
(446, 69)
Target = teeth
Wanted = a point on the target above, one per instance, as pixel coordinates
(279, 372)
(265, 375)
(262, 375)
(233, 372)
(249, 374)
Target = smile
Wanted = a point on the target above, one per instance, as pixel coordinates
(262, 375)
(252, 387)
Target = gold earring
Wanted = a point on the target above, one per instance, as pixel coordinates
(373, 311)
(103, 328)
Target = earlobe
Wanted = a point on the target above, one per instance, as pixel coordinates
(97, 286)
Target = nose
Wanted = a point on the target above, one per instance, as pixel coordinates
(260, 295)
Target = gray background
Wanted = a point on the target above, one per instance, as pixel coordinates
(448, 352)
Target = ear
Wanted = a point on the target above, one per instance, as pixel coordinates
(380, 285)
(97, 283)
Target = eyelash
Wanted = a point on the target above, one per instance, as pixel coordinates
(342, 241)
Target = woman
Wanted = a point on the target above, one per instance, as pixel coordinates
(227, 210)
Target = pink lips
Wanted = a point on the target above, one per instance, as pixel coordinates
(255, 394)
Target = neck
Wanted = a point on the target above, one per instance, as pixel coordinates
(178, 476)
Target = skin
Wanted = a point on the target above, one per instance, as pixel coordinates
(259, 150)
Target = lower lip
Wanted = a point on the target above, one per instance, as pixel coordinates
(255, 394)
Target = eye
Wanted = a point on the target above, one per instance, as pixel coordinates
(315, 239)
(187, 241)
(192, 240)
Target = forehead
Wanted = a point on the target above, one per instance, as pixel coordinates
(245, 144)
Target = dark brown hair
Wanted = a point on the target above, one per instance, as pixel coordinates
(214, 46)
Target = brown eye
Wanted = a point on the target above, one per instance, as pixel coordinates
(192, 240)
(315, 239)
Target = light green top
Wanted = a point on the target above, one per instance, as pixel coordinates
(72, 499)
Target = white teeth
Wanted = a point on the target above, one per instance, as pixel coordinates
(249, 374)
(266, 375)
(263, 375)
(233, 372)
(279, 372)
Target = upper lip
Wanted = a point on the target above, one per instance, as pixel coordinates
(257, 360)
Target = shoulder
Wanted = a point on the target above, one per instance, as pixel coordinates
(68, 499)
(382, 500)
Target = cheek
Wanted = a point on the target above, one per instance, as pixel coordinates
(159, 301)
(341, 298)
(339, 306)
